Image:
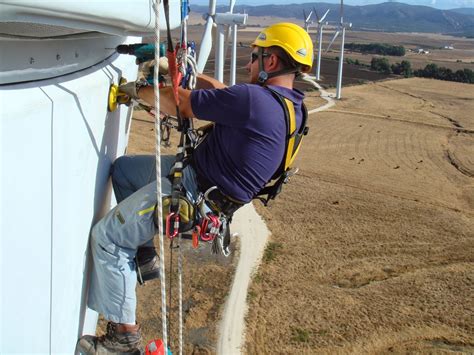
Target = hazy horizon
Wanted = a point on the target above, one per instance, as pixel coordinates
(437, 4)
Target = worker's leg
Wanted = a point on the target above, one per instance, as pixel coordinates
(129, 174)
(114, 241)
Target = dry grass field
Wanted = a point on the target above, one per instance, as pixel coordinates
(372, 246)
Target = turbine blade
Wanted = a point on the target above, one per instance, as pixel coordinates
(309, 16)
(324, 16)
(231, 5)
(206, 45)
(304, 15)
(206, 41)
(333, 39)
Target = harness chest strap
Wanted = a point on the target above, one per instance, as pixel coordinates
(293, 136)
(293, 141)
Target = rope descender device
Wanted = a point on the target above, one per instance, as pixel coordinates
(115, 97)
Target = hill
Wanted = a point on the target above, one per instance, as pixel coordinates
(388, 17)
(464, 10)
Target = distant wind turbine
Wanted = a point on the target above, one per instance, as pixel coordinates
(225, 21)
(341, 29)
(206, 41)
(320, 39)
(307, 20)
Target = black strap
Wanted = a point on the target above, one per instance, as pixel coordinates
(263, 76)
(166, 5)
(221, 202)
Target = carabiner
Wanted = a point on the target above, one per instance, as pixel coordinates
(195, 236)
(204, 236)
(175, 226)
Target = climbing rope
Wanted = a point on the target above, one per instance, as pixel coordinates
(156, 4)
(182, 70)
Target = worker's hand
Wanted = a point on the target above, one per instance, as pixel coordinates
(164, 67)
(129, 89)
(146, 69)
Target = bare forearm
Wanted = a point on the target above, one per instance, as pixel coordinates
(206, 82)
(167, 101)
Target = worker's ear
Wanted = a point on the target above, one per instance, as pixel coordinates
(273, 62)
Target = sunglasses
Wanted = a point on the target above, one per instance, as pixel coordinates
(254, 56)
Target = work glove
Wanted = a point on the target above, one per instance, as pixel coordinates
(164, 66)
(146, 68)
(129, 89)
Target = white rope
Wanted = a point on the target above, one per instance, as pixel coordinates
(188, 60)
(156, 4)
(180, 291)
(191, 62)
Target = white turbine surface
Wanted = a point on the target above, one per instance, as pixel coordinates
(228, 34)
(341, 55)
(206, 41)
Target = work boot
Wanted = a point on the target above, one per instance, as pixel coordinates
(120, 339)
(148, 264)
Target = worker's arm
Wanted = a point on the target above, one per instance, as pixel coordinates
(167, 102)
(206, 82)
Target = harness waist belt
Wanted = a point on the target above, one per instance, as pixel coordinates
(217, 199)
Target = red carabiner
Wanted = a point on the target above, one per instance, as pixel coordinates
(215, 223)
(175, 226)
(204, 236)
(195, 236)
(174, 73)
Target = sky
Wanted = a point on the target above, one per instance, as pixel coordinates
(438, 4)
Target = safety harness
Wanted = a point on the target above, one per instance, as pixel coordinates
(184, 215)
(293, 141)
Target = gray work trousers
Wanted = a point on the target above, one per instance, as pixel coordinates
(116, 237)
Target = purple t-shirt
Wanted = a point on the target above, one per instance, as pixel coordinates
(247, 144)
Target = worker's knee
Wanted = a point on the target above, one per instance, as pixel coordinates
(131, 173)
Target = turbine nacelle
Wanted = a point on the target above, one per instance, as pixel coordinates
(338, 31)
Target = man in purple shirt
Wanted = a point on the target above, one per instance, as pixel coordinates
(240, 156)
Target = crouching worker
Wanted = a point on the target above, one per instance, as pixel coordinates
(243, 152)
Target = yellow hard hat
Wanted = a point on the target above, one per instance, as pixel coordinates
(290, 37)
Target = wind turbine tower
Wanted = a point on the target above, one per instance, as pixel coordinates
(341, 29)
(320, 39)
